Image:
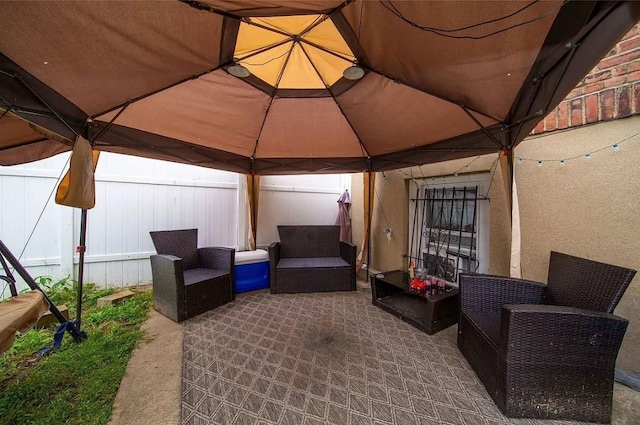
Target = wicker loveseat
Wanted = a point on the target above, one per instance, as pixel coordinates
(546, 351)
(311, 259)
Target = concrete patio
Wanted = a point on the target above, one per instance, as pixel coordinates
(324, 358)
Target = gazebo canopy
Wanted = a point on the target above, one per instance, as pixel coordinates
(259, 86)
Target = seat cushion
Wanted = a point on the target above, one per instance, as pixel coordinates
(198, 275)
(306, 263)
(489, 324)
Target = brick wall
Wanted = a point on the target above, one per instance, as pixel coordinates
(611, 90)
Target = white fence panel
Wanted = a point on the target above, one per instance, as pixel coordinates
(306, 199)
(23, 194)
(135, 196)
(138, 195)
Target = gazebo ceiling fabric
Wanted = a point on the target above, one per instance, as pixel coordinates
(293, 52)
(443, 79)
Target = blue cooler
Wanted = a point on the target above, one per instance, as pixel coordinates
(252, 270)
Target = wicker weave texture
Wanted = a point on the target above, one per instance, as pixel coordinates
(204, 290)
(217, 258)
(168, 286)
(532, 329)
(312, 247)
(489, 295)
(181, 243)
(314, 280)
(588, 284)
(546, 361)
(309, 241)
(480, 352)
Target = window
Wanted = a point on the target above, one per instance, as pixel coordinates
(448, 225)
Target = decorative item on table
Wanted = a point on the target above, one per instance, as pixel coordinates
(420, 274)
(436, 284)
(418, 285)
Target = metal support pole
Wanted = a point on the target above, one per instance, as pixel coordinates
(81, 250)
(8, 277)
(369, 229)
(510, 177)
(413, 231)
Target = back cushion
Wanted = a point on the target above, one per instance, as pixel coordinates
(309, 241)
(181, 243)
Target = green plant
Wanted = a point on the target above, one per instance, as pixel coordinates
(49, 285)
(62, 291)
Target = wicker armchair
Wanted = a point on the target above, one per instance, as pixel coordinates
(546, 351)
(188, 280)
(311, 259)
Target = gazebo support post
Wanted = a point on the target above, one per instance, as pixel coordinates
(81, 250)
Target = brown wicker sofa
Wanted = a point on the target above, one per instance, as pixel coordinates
(311, 259)
(546, 351)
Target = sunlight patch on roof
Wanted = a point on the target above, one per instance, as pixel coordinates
(293, 52)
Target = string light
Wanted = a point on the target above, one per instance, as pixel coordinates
(466, 166)
(539, 162)
(615, 147)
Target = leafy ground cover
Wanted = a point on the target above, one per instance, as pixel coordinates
(77, 383)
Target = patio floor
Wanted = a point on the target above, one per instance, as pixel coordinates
(325, 358)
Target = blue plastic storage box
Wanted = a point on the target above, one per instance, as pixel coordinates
(252, 270)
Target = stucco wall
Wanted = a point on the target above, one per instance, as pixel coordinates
(390, 195)
(586, 207)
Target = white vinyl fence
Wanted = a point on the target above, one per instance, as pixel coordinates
(308, 199)
(137, 195)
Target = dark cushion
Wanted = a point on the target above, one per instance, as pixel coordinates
(309, 241)
(181, 243)
(198, 275)
(488, 324)
(315, 262)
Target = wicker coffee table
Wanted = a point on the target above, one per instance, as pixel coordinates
(436, 310)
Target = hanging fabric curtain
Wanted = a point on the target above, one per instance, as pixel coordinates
(515, 268)
(253, 196)
(78, 187)
(343, 220)
(369, 180)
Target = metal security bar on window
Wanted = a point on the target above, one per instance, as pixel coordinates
(443, 234)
